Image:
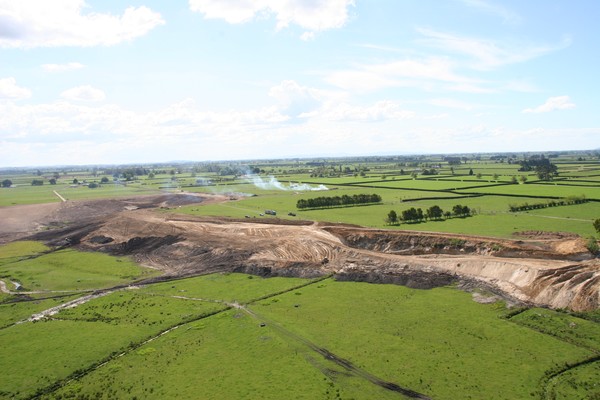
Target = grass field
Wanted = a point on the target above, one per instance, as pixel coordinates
(70, 270)
(438, 342)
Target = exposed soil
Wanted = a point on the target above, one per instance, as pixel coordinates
(549, 271)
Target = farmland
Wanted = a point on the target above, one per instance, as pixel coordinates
(428, 341)
(171, 281)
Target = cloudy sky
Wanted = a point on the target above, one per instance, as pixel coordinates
(107, 81)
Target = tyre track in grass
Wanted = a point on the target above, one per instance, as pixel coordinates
(550, 380)
(328, 355)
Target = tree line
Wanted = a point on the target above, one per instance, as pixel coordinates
(433, 213)
(553, 203)
(337, 201)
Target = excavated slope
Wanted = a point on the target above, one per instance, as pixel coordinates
(557, 273)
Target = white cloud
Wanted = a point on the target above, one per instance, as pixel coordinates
(306, 36)
(42, 23)
(10, 90)
(487, 54)
(382, 110)
(295, 100)
(314, 15)
(83, 93)
(553, 103)
(452, 103)
(494, 9)
(425, 74)
(521, 86)
(76, 133)
(62, 67)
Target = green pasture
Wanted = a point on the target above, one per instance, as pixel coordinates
(586, 211)
(492, 219)
(285, 201)
(224, 287)
(438, 342)
(36, 355)
(427, 184)
(21, 249)
(569, 328)
(532, 189)
(578, 182)
(70, 270)
(488, 179)
(15, 311)
(129, 307)
(27, 194)
(577, 383)
(227, 356)
(106, 190)
(503, 225)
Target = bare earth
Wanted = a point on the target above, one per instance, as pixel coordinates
(555, 271)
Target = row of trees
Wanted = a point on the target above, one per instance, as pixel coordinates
(52, 181)
(542, 166)
(337, 201)
(433, 213)
(553, 203)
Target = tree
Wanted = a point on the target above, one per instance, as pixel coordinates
(151, 175)
(546, 171)
(461, 211)
(414, 174)
(75, 181)
(93, 185)
(434, 212)
(597, 225)
(392, 218)
(37, 182)
(104, 179)
(52, 181)
(514, 180)
(410, 215)
(496, 176)
(523, 178)
(479, 175)
(470, 171)
(6, 183)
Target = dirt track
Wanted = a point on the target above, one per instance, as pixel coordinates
(551, 272)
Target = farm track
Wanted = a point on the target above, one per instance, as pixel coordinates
(348, 366)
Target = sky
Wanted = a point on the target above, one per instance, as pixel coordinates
(136, 81)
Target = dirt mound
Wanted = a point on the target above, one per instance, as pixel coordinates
(545, 235)
(540, 271)
(183, 199)
(418, 243)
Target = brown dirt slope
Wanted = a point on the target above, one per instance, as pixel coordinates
(550, 272)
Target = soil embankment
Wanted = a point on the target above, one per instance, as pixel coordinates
(553, 271)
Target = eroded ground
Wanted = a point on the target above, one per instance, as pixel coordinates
(555, 271)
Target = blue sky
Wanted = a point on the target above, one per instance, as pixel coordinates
(101, 82)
